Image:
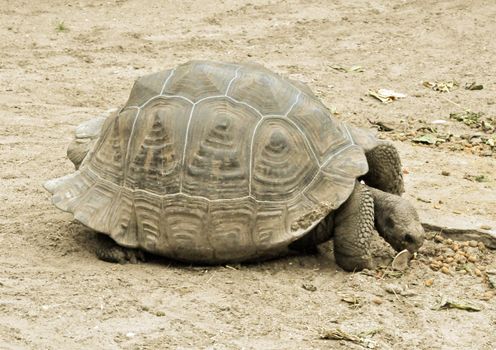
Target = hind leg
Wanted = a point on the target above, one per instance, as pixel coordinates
(108, 250)
(385, 171)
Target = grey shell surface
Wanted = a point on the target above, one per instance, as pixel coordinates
(213, 162)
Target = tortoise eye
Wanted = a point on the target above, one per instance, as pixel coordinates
(409, 238)
(390, 222)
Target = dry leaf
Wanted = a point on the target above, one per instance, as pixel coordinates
(473, 86)
(452, 304)
(386, 96)
(400, 261)
(441, 86)
(352, 69)
(426, 139)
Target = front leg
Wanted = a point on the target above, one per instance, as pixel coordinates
(353, 228)
(385, 171)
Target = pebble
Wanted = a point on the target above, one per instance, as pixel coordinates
(438, 238)
(435, 266)
(445, 270)
(429, 282)
(377, 300)
(472, 258)
(487, 295)
(393, 288)
(492, 281)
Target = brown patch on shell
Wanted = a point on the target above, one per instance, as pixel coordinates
(312, 216)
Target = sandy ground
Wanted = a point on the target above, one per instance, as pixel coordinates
(63, 62)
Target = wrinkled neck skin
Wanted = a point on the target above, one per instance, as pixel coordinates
(397, 221)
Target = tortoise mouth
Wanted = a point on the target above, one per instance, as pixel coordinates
(412, 241)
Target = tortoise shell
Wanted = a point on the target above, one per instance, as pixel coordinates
(213, 162)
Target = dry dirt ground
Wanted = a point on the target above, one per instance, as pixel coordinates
(63, 62)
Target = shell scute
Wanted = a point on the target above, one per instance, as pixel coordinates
(266, 92)
(186, 224)
(196, 80)
(216, 162)
(282, 161)
(147, 87)
(327, 134)
(231, 230)
(156, 147)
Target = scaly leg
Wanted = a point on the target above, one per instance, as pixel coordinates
(385, 172)
(108, 250)
(353, 228)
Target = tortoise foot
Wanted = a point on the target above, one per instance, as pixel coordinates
(108, 250)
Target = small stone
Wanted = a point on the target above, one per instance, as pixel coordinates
(481, 246)
(445, 270)
(445, 173)
(393, 289)
(377, 300)
(491, 279)
(309, 287)
(487, 295)
(434, 266)
(472, 258)
(473, 243)
(130, 334)
(477, 272)
(460, 259)
(438, 238)
(429, 282)
(408, 293)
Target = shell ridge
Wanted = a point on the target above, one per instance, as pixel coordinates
(131, 134)
(232, 80)
(186, 136)
(250, 166)
(305, 138)
(324, 164)
(293, 104)
(166, 81)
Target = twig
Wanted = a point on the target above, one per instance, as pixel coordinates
(452, 102)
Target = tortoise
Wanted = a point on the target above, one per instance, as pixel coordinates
(214, 162)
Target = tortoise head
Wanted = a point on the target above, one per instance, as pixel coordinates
(77, 151)
(397, 221)
(85, 137)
